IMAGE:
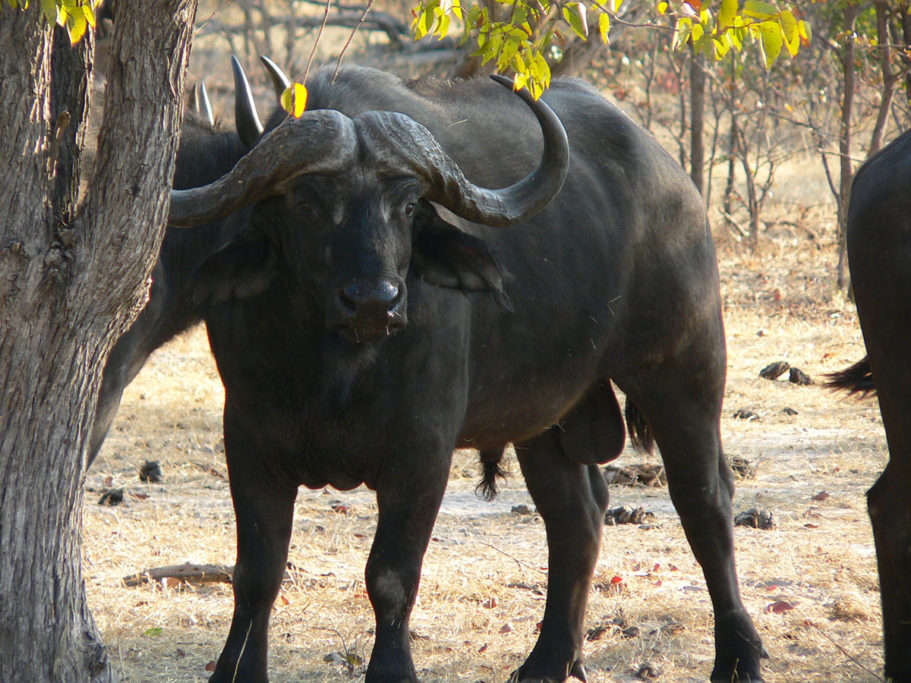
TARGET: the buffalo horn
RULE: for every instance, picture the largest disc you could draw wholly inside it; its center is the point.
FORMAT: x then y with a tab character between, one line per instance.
279	80
399	137
246	120
322	141
203	105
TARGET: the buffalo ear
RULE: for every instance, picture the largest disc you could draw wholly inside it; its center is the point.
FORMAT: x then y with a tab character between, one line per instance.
445	256
244	268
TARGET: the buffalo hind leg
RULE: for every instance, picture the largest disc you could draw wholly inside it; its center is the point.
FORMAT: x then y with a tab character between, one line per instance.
264	508
890	515
571	499
407	503
685	424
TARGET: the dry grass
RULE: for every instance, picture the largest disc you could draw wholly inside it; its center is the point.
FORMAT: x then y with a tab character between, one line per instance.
481	594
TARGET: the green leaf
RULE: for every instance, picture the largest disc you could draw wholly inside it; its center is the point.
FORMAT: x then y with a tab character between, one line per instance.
49	7
604	27
154	631
519	16
508	51
682	34
772	41
442	26
698	37
759	9
575	15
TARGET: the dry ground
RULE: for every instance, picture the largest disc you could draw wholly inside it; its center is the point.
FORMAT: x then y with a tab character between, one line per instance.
481	595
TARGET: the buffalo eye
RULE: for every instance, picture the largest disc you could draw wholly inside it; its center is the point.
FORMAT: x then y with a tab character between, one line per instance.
409	209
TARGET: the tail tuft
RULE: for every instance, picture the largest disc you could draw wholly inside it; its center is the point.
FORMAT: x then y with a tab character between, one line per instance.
855	379
490	461
640	435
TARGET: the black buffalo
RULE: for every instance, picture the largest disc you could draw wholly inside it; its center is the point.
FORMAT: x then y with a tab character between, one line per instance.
379	310
879	257
204	152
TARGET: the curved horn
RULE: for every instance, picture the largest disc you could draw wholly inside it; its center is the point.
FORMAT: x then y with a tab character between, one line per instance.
322	141
203	105
396	135
246	120
279	80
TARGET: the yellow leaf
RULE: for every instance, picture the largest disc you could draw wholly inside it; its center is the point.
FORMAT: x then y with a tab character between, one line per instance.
89	12
722	46
604	27
76	26
294	99
790	31
662	8
519	81
805	33
727	14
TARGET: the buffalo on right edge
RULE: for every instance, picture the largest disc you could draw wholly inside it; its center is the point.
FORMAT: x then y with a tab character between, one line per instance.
879	257
381	306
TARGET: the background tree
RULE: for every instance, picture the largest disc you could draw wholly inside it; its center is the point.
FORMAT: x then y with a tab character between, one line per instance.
74	268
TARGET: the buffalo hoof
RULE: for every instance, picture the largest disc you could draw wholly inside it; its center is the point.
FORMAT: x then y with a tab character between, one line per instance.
577	670
738	649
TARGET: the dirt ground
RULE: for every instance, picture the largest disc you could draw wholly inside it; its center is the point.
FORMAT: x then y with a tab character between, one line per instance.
810	582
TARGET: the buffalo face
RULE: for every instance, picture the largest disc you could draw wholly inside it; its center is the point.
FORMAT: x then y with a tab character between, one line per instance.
348	240
344	207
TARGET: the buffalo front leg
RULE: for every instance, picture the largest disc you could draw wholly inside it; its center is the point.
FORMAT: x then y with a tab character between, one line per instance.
407	512
571	499
889	506
264	508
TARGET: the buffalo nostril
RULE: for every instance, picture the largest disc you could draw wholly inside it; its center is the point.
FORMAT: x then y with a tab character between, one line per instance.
361	295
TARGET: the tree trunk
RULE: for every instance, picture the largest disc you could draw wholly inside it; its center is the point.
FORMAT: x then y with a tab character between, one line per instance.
697	121
904	12
846	168
884	49
71	279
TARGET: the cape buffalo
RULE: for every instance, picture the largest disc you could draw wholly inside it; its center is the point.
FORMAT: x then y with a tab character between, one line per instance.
879	237
204	152
379	310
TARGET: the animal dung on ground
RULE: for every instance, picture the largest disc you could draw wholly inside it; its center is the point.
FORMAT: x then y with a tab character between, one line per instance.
743	468
756	518
111	497
775	370
648	672
151	472
744	414
798	376
626	514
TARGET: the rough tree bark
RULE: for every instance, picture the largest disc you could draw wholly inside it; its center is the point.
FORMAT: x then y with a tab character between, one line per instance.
846	56
697	121
72	275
